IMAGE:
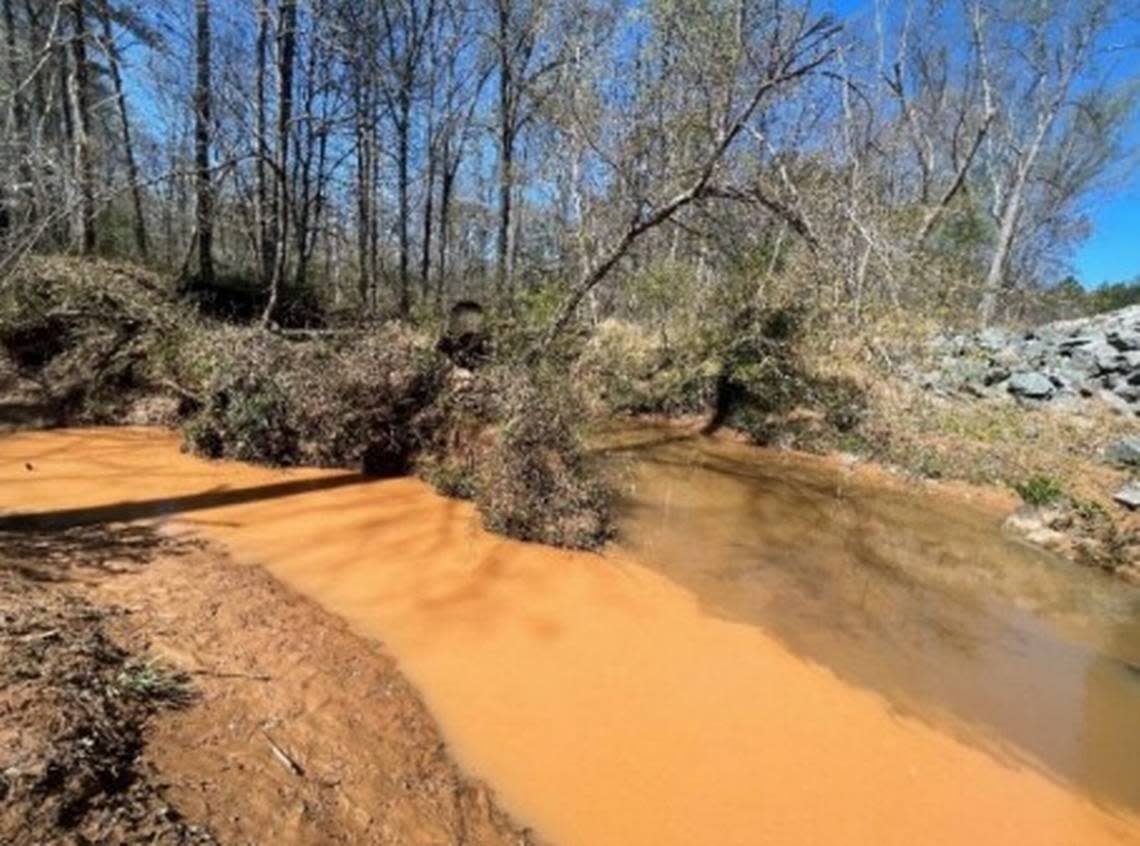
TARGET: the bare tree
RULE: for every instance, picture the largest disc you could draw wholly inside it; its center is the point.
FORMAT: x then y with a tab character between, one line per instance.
286	55
1041	68
111	52
795	46
941	154
526	57
202	109
79	93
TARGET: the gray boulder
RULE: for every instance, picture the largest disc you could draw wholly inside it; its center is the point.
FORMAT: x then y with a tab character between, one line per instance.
1125	451
1076	341
994	339
995	375
1068	377
1129	495
1127	392
1117	404
1031	385
1097	358
1124	339
1030	351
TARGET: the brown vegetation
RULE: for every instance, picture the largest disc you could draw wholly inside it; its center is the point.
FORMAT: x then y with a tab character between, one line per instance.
75	703
104	344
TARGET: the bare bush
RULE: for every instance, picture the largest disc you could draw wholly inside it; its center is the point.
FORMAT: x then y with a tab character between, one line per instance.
275	401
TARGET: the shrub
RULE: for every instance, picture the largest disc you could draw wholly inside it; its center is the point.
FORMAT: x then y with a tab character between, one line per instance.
87	334
457	432
275	401
534	481
508	439
749	371
384	401
1040	490
630	371
241	298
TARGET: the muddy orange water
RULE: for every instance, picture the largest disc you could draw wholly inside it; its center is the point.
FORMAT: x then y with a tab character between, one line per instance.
780	651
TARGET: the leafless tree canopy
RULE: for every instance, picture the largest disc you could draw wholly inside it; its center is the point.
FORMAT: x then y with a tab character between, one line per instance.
393	156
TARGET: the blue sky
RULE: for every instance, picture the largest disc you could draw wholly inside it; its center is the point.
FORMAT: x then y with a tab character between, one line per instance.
1112	253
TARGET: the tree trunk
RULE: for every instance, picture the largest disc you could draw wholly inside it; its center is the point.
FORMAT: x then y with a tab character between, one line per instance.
429	202
112	53
987	307
364	120
13	66
446	187
311	184
205	188
81	127
36	113
506	191
505	278
403	128
286	49
263	212
16	115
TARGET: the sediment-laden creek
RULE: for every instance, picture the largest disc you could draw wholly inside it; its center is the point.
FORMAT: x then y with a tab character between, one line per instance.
780	650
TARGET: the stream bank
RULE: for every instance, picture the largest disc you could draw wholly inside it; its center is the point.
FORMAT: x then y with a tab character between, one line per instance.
217	707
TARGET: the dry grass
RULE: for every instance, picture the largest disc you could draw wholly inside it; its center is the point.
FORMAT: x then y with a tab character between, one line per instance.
996	441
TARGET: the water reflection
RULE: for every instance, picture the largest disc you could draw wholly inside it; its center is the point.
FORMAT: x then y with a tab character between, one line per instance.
918	598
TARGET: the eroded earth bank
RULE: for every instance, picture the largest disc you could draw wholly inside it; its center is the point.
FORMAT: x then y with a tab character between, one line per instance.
152	690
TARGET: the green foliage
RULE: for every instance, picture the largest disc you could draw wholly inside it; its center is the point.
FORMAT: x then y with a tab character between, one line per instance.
451	475
743	365
508	438
1090	511
155	683
632	372
1068	298
964	229
1115	296
247	417
1040	490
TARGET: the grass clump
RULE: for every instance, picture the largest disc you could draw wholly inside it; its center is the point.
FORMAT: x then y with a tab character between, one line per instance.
628	370
746	369
155	683
1040	490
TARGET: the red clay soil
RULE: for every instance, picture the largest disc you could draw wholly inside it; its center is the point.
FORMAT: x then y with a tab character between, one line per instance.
289	728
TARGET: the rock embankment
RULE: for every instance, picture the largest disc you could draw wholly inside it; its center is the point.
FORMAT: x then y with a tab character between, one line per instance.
1059	363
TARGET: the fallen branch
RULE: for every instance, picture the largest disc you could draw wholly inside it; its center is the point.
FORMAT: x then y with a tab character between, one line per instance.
283	757
223	674
185	393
